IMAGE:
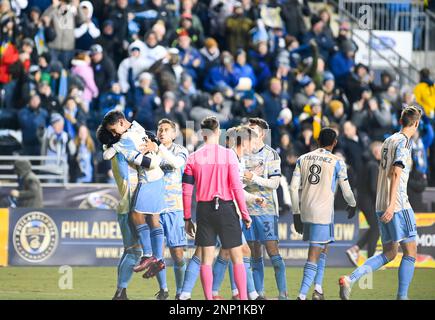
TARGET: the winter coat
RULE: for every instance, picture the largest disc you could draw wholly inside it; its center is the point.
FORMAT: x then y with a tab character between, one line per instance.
30	190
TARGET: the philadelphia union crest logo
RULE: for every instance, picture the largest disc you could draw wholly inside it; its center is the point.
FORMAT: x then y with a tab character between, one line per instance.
35	237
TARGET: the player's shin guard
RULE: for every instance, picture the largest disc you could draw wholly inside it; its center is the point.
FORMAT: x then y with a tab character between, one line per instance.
143	232
179	270
207	281
280	277
258	274
371	265
406	272
192	273
219	268
125	267
318	280
249	279
240	279
310	270
157	239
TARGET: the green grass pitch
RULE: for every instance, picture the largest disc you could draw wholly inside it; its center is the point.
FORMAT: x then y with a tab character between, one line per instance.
99	283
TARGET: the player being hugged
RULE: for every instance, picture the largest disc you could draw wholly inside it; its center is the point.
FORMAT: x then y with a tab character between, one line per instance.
148	200
393	210
316	174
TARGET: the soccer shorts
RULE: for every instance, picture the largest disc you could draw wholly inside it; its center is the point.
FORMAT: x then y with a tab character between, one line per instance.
263	228
318	233
401	227
219	244
223	222
128	231
173	228
149	197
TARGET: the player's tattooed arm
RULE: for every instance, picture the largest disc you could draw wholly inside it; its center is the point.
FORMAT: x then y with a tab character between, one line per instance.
396	171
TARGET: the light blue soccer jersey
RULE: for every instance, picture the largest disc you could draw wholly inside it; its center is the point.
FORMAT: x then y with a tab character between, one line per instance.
126	178
172	179
265	163
396	151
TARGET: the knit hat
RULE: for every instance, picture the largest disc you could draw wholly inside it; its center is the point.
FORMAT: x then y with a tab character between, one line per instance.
210	43
334	105
314	20
328	76
55	117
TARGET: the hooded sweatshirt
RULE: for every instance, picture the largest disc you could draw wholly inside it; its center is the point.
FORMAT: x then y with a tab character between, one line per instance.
30	190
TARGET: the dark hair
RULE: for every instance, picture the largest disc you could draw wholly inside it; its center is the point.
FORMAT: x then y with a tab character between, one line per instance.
259	122
112	117
424	74
327	137
210	123
410	115
167	121
105	137
244	133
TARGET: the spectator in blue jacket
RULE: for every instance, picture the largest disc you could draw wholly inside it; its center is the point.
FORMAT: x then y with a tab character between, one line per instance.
146	102
274	102
342	62
190	58
325	42
244	69
32	121
261	62
223	76
421	141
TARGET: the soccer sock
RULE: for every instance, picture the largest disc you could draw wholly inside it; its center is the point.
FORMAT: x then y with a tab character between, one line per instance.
318	280
143	232
192	272
157	239
280	277
206	273
179	270
232	281
310	270
125	267
372	264
406	272
258	274
219	268
240	279
249	279
161	278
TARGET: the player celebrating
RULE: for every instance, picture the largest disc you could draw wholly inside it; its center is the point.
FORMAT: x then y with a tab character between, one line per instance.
131	136
396	217
126	179
262	177
214	170
317	174
174	159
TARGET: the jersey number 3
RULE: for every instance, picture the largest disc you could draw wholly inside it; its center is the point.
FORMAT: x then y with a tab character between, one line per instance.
314	176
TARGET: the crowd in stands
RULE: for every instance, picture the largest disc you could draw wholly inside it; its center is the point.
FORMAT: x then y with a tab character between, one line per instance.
65	63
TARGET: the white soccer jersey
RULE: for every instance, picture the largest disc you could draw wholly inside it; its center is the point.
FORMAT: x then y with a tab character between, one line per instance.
396	150
317	174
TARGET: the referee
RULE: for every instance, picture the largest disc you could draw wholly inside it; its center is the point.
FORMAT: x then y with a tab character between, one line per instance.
214	170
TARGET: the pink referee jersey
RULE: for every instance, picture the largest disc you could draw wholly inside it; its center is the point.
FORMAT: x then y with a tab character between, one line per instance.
215	171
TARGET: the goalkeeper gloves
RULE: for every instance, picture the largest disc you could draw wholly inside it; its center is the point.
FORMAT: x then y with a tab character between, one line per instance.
299	227
351	212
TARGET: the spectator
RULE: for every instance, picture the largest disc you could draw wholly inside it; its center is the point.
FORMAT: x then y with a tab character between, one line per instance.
292	14
87	32
237	28
169	110
74	117
425	93
81	66
312	114
243	69
249	106
146	102
29	193
83	158
324	41
190	57
103	67
32	121
261	62
342	62
131	67
210	54
216	106
303	97
63	17
48	101
111	43
223	76
151	51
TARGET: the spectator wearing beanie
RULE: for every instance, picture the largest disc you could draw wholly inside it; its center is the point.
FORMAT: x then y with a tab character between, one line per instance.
210	54
81	66
190	57
87	32
343	61
425	93
237	28
249	106
325	43
103	67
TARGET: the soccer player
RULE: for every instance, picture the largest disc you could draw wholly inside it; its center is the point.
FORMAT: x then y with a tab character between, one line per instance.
126	179
131	136
174	158
317	174
214	171
395	215
262	178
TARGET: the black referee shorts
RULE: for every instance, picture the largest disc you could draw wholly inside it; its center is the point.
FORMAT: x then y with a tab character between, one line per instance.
224	222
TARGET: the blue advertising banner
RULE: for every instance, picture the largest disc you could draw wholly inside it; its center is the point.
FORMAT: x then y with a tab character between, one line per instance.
92	238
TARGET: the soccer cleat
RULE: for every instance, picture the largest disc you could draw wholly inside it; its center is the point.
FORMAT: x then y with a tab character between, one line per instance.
402	298
261	298
353	256
345	288
177	296
154	269
162	295
145	263
120	294
318	296
281	297
218	298
236	297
